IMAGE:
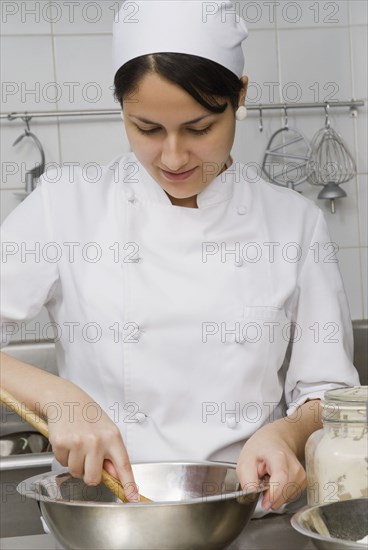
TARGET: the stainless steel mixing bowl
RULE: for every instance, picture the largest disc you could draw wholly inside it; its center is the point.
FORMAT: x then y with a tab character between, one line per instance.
196	506
346	522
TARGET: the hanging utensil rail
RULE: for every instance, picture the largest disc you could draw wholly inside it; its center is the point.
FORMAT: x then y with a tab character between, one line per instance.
353	104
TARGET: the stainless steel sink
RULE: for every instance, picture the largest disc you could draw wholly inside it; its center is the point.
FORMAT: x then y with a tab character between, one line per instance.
20	516
39	355
23	443
361	349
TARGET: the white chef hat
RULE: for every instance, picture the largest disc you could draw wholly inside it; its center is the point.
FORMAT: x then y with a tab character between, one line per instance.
210	29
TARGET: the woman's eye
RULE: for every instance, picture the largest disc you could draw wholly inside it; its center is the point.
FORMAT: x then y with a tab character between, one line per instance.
192	130
200	132
147	132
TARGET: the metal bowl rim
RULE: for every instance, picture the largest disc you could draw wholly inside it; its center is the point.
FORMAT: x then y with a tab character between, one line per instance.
295	523
29	491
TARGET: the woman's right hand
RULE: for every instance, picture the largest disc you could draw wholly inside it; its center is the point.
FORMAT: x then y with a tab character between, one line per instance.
82	435
86	445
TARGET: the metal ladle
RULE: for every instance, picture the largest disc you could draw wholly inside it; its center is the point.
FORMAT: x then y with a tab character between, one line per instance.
37	422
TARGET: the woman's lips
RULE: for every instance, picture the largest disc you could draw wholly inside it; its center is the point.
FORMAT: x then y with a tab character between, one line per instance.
179	176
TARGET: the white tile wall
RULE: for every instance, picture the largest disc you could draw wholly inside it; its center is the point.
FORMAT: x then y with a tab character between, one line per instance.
300	51
350	267
24	18
27	73
84	72
304	13
314	63
364	260
258	15
263	86
363	207
362	144
358	12
359	58
83	17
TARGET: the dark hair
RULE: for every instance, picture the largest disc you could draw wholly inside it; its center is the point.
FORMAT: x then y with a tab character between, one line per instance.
203	79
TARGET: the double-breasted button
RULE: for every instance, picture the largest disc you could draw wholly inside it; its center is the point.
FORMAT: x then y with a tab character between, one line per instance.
135	258
231	422
241	210
140	417
136	335
131	197
132	260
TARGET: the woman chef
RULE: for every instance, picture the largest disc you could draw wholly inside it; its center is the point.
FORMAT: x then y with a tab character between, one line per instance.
177	287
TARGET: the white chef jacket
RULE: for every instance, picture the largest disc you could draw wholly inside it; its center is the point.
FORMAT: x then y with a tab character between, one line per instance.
177	320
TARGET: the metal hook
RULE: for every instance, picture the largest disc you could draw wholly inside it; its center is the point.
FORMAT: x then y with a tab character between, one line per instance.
327	119
260	120
286	124
38	170
27	131
26	119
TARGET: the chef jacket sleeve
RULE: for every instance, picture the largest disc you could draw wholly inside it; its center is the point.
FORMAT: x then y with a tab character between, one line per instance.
29	272
322	340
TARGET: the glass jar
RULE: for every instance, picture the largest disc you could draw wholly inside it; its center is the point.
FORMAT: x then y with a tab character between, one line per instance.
336	456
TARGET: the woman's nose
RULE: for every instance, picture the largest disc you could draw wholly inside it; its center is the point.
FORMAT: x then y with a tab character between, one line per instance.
174	154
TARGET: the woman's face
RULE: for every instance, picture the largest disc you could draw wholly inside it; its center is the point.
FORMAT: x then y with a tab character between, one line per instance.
166	135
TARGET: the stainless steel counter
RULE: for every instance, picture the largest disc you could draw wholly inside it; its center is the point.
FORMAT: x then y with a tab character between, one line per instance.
273	532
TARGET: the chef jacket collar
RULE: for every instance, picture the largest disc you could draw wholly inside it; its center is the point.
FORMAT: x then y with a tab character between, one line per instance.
146	188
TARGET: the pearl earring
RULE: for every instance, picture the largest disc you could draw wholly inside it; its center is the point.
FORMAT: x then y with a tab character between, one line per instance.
122	115
241	113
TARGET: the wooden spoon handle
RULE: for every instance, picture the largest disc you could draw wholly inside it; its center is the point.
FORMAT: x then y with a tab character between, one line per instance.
34	419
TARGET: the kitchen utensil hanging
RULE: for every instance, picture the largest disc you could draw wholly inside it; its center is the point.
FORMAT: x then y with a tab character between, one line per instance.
260	127
39	169
286	160
331	162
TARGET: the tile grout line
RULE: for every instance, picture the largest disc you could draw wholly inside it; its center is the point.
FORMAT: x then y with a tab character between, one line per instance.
57	121
355	123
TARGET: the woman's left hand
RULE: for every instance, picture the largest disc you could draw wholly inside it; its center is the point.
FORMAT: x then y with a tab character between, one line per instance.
267	457
272	454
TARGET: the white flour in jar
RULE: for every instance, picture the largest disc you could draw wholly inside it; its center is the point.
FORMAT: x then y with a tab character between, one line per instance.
336	455
340	475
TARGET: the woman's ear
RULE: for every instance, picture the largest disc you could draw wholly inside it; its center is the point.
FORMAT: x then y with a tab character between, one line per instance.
243	92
